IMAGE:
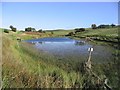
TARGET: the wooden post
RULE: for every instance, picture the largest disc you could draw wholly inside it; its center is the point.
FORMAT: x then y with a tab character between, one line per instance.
88	63
89	58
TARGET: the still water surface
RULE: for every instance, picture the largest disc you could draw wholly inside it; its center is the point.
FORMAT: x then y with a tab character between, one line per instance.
66	48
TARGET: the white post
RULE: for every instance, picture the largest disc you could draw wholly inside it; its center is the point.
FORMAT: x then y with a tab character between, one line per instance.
89	58
90	54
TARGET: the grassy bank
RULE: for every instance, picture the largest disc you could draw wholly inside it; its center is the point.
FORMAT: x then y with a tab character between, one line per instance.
25	67
108	34
105	34
59	32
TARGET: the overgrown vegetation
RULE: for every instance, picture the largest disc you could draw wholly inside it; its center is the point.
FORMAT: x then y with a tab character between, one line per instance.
25	67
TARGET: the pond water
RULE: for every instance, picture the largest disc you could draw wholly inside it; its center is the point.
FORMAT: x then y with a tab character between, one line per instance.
66	48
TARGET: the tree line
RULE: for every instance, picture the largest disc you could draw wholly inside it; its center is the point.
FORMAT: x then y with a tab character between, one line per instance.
94	26
30	29
12	29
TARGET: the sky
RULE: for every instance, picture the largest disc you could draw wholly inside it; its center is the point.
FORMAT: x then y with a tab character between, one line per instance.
58	15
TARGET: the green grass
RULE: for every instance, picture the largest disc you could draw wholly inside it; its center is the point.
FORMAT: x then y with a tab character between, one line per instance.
113	32
59	32
25	67
110	34
107	34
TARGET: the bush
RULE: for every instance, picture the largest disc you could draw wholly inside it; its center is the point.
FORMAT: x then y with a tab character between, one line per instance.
6	31
40	31
52	32
93	26
14	29
30	29
104	26
79	30
43	31
70	34
11	27
113	25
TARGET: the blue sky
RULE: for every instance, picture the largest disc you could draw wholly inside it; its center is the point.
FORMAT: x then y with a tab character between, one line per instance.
51	15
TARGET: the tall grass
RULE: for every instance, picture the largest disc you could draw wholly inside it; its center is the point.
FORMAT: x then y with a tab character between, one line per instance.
25	67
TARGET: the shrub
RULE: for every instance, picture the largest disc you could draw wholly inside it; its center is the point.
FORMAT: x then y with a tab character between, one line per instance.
29	29
52	32
11	27
79	30
70	34
40	30
113	25
104	26
14	29
6	31
93	26
43	31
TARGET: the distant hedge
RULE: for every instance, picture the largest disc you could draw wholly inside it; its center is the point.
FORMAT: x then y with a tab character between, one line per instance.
79	30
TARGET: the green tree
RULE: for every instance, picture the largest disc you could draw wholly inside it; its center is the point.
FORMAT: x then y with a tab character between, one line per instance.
40	30
33	29
79	30
13	28
29	29
113	25
93	26
104	26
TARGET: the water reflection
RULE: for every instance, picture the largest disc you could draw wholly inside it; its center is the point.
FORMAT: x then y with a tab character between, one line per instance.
79	43
40	42
75	42
33	42
72	49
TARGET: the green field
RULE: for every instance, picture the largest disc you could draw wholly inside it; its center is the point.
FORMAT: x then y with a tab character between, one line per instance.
108	34
25	67
59	32
112	32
